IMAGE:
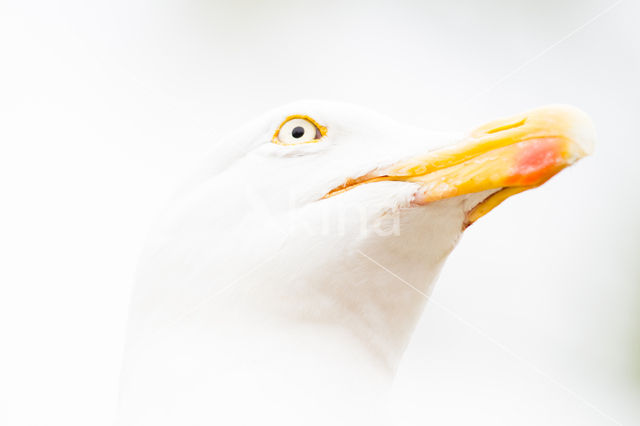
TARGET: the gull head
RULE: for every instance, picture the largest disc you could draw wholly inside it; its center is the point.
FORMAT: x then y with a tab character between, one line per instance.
333	217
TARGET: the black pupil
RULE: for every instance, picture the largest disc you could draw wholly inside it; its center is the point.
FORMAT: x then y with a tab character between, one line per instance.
297	132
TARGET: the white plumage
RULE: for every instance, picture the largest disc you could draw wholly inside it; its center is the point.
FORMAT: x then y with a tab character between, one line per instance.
260	299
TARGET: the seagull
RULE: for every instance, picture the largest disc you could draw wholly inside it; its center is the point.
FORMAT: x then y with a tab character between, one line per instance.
284	280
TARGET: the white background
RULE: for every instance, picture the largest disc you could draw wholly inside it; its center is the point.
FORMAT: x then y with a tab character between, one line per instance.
106	106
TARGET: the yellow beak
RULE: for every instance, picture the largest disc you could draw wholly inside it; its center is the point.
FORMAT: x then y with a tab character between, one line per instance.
510	155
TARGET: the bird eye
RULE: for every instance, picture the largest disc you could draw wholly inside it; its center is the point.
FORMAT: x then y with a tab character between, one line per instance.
298	129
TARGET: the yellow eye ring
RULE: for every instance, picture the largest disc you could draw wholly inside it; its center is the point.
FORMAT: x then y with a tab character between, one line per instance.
299	129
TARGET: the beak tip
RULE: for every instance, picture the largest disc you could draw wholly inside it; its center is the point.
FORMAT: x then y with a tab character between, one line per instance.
580	129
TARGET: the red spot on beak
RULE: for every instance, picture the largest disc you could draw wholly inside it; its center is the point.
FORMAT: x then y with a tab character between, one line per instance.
538	160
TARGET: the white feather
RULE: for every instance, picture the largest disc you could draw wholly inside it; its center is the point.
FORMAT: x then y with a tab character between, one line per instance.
257	300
